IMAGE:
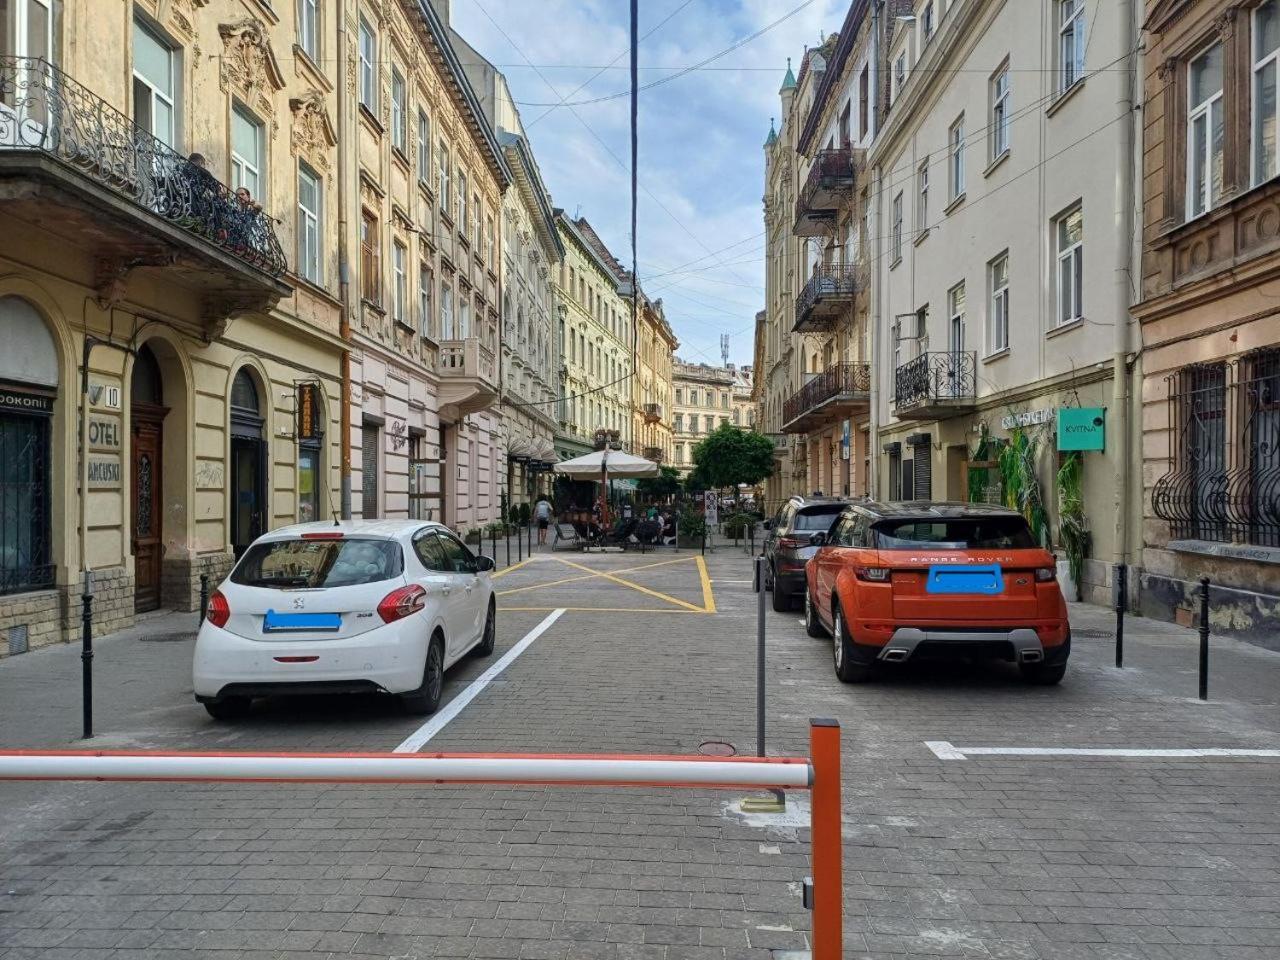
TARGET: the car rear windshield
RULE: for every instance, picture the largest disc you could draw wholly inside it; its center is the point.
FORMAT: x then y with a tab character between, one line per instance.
290	564
959	533
817	518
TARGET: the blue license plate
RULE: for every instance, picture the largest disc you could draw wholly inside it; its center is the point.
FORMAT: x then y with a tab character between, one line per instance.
286	622
980	579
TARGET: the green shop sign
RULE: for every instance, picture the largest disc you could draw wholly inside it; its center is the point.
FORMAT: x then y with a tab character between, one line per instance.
1082	428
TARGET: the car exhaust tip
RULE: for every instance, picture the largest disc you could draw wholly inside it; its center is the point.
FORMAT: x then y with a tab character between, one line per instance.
895	655
1032	656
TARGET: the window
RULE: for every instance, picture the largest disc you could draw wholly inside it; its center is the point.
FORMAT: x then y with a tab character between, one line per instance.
999	129
368	70
899	74
679	453
1205	132
27	30
309	28
895	243
489	254
399	113
476	222
370	267
446	313
153	81
955	325
864	101
464	316
399	259
679	424
247	161
462	204
424	147
709	422
955	160
926	21
1070	43
679	395
444	181
426	321
922	199
309	210
1069	242
693	398
1266	53
998	315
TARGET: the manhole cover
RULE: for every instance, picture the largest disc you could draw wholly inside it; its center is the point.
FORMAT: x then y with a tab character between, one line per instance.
717	748
165	637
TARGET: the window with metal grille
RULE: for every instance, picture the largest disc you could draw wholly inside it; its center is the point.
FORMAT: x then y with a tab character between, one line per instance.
25	468
369	470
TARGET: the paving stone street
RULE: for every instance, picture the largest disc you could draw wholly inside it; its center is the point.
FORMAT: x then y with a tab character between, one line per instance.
1004	856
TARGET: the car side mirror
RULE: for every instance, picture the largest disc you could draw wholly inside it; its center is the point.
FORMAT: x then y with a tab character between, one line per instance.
484	564
817	539
768	524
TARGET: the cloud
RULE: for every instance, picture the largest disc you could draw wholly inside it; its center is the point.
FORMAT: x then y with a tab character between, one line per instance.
700	136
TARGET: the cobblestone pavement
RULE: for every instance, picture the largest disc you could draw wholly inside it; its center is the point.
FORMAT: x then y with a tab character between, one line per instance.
1047	858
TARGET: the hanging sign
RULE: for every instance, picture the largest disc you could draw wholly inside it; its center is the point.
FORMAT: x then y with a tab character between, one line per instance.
309	426
1082	428
20	402
846	440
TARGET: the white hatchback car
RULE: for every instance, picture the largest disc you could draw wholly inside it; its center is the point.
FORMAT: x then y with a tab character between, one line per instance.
352	607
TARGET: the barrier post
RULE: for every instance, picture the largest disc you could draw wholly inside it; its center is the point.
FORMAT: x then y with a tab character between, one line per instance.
86	655
1204	638
529	534
760	663
519	547
506	529
493	542
204	597
824	829
1122	583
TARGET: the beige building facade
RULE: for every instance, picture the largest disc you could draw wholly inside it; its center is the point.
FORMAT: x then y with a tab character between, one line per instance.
703	398
652	437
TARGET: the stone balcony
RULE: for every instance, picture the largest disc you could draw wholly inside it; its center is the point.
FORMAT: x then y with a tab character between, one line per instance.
468	378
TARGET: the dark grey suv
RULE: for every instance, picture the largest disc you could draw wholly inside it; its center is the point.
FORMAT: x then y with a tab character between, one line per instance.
787	545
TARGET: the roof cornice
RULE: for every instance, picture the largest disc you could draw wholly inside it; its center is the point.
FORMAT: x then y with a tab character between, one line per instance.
849	32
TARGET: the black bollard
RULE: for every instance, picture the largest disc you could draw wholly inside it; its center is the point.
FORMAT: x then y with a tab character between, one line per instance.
86	654
529	534
704	538
1204	638
204	597
1122	589
506	530
493	543
519	547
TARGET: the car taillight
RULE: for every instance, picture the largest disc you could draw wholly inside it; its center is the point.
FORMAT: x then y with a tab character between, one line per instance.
399	604
219	611
1045	574
793	543
874	574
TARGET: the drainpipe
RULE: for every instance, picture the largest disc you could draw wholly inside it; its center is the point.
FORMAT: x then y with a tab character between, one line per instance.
873	256
344	269
1125	180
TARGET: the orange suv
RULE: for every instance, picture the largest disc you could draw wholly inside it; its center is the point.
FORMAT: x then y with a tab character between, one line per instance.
894	582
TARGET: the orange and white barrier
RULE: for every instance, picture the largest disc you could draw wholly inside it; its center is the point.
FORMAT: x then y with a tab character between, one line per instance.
820	774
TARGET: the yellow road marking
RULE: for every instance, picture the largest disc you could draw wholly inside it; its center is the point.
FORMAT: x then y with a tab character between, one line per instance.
505	570
636	586
550	583
708	598
587	576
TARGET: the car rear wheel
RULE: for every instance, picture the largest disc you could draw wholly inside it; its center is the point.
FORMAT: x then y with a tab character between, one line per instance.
427	697
1043	674
490	635
846	669
229	708
781	597
812	625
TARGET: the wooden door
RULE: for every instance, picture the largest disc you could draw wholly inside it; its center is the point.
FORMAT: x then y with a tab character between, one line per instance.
148	546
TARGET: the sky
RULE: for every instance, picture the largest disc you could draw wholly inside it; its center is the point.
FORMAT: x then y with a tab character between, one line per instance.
701	168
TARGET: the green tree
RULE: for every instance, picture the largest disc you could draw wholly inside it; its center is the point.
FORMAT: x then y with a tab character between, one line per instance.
666	484
696	480
730	456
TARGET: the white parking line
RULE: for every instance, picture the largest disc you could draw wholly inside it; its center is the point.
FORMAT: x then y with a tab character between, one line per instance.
415	741
945	750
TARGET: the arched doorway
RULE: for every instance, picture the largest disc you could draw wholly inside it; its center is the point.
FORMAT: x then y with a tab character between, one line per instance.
147	412
248	463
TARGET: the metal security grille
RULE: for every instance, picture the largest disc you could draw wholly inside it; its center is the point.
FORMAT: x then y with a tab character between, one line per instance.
1223	479
25	561
369	471
923	471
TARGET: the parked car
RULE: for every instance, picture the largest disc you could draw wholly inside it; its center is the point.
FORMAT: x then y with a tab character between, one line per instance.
893	582
383	606
787	544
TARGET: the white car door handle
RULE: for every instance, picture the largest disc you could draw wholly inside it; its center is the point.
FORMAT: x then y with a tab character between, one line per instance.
446	590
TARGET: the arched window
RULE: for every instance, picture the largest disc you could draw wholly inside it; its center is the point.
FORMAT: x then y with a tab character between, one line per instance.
244	393
146	386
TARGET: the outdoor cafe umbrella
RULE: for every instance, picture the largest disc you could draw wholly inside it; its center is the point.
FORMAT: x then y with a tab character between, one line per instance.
603	464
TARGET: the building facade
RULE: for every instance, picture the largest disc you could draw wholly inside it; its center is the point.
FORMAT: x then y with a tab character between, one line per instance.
1002	280
703	398
1210	373
426	176
190	334
595	333
531	255
656	344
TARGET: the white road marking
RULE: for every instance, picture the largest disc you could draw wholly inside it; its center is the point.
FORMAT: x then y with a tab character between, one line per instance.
945	750
415	741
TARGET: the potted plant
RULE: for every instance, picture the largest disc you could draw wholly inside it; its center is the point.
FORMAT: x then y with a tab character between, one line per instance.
1073	531
691	529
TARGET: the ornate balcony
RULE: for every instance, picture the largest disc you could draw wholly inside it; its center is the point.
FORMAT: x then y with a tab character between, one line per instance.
468	378
828	296
828	186
840	391
83	171
653	413
653	453
934	386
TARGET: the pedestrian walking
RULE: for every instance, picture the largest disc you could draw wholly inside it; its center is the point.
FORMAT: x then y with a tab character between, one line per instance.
542	513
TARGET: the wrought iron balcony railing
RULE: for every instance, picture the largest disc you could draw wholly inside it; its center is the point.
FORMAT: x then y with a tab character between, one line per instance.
848	379
653	453
45	111
653	412
831	171
939	377
830	289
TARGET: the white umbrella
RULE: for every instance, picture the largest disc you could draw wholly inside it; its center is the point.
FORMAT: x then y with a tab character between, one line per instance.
601	464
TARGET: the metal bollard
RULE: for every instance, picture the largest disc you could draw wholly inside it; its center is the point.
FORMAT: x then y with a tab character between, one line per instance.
529	534
493	543
1122	589
204	597
704	537
1204	638
86	655
519	547
506	529
760	662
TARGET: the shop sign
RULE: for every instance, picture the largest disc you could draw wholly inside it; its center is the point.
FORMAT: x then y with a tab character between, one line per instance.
104	433
104	395
1028	418
1082	428
309	426
19	402
104	471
